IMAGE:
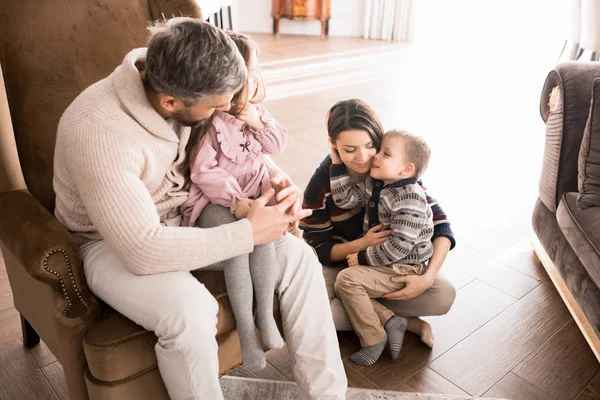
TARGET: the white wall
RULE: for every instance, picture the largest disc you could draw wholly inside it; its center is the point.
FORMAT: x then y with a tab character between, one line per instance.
255	16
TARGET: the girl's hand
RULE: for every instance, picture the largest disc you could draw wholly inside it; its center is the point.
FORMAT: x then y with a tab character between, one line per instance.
335	156
242	206
251	116
374	236
415	285
352	259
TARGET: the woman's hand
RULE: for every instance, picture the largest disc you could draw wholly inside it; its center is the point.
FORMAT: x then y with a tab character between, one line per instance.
251	116
335	156
415	285
374	236
242	206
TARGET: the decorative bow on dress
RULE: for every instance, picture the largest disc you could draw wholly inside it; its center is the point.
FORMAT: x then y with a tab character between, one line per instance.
244	146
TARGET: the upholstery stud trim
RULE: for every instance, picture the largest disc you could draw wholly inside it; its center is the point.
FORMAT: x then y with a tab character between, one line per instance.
62	282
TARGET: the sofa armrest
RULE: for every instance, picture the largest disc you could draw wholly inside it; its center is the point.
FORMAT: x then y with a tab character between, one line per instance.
564	127
47	251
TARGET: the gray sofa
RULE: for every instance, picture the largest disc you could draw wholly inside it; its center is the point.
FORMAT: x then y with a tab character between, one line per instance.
566	218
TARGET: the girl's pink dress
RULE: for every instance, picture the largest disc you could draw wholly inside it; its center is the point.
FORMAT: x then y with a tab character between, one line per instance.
230	163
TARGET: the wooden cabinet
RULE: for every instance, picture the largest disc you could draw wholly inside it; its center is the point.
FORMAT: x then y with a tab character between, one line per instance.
302	10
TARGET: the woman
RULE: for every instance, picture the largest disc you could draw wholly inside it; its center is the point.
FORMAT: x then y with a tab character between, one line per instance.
355	132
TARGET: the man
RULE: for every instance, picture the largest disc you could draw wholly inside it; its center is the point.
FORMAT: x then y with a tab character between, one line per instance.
119	182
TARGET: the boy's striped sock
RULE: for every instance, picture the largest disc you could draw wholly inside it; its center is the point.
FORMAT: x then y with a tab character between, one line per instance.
395	328
367	356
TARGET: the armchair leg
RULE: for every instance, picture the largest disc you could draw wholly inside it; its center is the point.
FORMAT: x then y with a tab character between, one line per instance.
30	336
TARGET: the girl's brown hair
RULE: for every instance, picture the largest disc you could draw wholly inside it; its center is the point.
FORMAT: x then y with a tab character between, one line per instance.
354	114
246	46
239	101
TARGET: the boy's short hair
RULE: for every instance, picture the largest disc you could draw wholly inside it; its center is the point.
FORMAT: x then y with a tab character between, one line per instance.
417	150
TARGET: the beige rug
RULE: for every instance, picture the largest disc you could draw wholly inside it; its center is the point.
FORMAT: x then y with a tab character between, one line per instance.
235	388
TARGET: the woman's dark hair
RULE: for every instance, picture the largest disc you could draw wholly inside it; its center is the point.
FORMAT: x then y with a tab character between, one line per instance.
354	114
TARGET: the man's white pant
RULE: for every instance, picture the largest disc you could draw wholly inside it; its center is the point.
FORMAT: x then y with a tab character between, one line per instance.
183	314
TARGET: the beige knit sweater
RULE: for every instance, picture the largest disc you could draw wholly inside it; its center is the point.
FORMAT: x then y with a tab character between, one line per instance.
118	174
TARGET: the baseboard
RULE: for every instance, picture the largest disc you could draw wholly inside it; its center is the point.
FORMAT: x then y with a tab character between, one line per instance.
584	325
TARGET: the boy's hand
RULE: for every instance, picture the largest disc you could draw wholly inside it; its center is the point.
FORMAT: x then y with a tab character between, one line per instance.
251	116
242	206
352	259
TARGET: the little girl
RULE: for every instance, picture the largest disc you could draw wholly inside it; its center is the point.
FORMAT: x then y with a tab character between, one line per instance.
227	172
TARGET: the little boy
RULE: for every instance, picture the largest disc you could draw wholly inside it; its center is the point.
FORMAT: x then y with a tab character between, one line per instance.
392	197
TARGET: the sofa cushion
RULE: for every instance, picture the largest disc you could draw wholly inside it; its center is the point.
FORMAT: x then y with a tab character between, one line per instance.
581	228
578	282
116	348
589	155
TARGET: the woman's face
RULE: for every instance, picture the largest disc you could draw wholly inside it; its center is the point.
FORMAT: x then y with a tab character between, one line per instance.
356	150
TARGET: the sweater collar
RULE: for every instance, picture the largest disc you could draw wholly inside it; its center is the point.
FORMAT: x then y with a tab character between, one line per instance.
402	182
130	89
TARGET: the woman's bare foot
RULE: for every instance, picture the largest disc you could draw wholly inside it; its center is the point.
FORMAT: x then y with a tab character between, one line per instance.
422	328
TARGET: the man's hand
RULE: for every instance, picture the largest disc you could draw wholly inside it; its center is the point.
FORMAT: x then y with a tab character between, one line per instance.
270	223
352	259
415	285
251	116
242	206
284	187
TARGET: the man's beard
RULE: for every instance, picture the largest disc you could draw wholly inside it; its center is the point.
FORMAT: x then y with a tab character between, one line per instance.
183	118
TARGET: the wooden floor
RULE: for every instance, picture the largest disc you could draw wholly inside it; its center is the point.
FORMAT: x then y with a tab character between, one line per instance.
508	334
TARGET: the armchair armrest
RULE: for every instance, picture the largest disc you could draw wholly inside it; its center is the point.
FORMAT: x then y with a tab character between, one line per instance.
47	251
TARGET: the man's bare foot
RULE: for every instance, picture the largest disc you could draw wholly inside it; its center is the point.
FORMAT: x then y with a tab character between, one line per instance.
422	328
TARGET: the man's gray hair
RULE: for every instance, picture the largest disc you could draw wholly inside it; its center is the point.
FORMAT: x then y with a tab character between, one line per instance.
192	60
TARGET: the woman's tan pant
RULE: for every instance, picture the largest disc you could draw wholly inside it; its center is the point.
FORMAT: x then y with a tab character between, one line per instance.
436	300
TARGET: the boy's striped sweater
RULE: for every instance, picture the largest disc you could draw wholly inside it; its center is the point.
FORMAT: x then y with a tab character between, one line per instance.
330	225
401	207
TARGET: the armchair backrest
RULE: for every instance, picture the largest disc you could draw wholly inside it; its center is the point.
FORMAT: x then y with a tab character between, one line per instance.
50	51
